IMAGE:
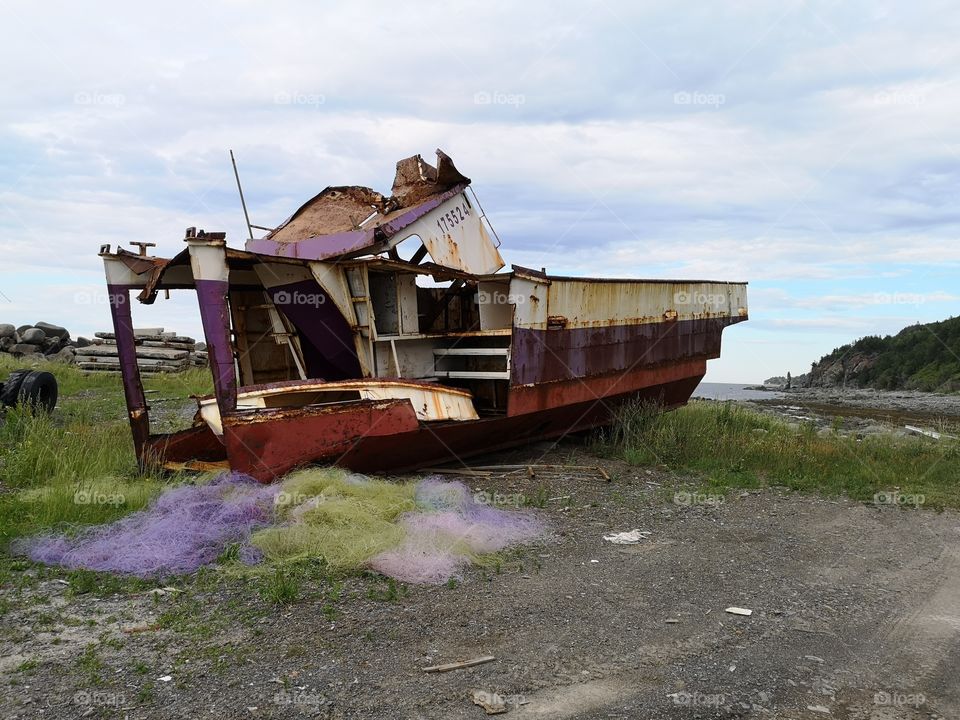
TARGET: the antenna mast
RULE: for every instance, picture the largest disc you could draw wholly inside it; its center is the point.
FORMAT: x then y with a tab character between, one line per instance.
242	201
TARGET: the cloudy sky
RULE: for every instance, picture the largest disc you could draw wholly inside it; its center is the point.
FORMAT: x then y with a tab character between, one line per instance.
810	148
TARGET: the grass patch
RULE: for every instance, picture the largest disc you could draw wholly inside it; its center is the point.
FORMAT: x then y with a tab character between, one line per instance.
90	665
77	466
281	588
390	591
730	446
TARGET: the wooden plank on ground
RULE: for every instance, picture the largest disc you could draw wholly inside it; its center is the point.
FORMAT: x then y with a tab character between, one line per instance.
460	664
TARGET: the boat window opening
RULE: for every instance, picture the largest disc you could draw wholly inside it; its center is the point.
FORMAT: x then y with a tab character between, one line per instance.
411	250
264	340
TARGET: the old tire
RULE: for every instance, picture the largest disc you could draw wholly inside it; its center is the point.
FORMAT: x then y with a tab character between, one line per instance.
39	391
11	388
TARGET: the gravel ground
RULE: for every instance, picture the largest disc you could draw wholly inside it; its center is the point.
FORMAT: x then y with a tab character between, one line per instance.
856	614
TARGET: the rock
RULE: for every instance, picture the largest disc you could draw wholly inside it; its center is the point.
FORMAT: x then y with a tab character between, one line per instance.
491	702
200	346
51	345
7	330
23	349
82	342
53	330
6	343
66	355
33	336
23	328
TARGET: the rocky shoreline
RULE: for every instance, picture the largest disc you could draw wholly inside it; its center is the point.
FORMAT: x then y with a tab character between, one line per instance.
863	412
912	402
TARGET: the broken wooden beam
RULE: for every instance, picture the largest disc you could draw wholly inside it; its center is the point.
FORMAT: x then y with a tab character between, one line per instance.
446	667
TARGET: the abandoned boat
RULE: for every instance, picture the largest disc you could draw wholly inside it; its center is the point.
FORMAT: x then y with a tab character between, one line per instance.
331	340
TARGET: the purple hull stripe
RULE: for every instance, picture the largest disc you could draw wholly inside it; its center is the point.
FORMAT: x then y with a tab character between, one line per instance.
325	335
215	316
315	248
127	353
548	355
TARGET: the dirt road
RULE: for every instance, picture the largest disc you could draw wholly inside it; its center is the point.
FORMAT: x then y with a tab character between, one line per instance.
856	614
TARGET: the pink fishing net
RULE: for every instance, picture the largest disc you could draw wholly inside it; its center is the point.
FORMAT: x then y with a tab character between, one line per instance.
184	529
449	532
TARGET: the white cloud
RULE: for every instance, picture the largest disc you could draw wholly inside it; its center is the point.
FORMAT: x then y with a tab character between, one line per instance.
830	166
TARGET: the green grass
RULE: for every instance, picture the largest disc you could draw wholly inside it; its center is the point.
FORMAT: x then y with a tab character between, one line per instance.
77	465
728	446
281	588
90	665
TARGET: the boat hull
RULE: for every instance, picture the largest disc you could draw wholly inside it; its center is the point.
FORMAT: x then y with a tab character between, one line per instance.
386	435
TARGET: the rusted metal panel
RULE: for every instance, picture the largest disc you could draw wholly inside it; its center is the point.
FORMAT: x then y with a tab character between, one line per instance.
137	411
455	237
197	443
540	356
429	445
587	303
540	397
430	402
268	443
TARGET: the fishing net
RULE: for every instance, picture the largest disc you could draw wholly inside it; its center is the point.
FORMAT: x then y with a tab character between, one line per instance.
423	532
345	519
450	530
184	529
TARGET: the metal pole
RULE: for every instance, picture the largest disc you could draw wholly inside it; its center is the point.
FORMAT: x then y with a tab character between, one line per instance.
242	201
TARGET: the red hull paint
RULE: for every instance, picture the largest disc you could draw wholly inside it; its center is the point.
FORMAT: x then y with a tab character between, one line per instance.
544	396
386	436
196	443
268	443
375	436
453	441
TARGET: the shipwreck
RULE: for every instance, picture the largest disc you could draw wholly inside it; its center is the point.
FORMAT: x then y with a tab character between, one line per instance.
332	340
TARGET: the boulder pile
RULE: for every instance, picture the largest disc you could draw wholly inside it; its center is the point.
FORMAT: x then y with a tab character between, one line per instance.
157	350
41	341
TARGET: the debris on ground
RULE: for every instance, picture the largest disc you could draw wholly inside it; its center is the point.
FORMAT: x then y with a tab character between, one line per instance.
631	537
530	470
459	665
927	433
739	611
492	703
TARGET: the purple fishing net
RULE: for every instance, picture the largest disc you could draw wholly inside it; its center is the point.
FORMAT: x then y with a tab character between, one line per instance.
182	530
453	528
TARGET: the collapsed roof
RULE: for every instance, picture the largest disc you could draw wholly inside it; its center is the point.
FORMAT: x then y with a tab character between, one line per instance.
354	220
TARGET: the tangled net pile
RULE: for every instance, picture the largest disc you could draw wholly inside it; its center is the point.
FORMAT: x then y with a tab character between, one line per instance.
181	531
448	531
423	532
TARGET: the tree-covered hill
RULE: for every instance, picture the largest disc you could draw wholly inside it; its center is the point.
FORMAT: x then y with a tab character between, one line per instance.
919	357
